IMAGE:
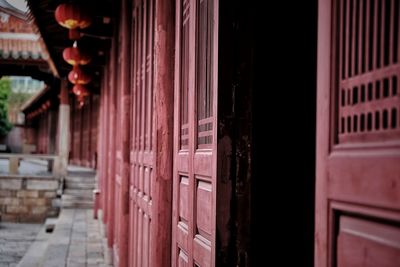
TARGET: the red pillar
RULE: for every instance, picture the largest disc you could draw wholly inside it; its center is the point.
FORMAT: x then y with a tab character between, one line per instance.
122	183
164	41
113	67
105	144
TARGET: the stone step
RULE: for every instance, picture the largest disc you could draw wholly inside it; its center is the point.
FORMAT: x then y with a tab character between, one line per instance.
79	179
76	198
79	192
84	173
78	185
77	205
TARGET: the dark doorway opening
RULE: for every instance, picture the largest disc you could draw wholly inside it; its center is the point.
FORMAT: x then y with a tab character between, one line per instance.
235	84
266	106
283	165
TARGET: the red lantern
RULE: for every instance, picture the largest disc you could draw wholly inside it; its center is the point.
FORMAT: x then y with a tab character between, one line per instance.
74	56
81	100
78	76
72	17
80	90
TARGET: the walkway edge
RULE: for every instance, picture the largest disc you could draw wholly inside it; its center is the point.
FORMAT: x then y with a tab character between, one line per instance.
33	257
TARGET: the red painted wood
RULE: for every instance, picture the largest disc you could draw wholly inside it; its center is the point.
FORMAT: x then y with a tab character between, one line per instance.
105	145
94	132
123	140
194	186
112	128
364	243
358	134
142	155
353	19
162	140
85	141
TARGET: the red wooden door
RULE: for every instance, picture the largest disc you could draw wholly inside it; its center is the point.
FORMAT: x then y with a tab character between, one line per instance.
142	152
358	134
194	175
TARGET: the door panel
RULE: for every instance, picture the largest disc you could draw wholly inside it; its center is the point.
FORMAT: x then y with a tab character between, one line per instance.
365	243
142	154
358	133
194	183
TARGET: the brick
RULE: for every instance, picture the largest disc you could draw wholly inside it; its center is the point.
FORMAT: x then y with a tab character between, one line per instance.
50	194
28	193
9	217
34	201
6	193
42	185
32	218
39	210
9	201
3	209
17	209
11	184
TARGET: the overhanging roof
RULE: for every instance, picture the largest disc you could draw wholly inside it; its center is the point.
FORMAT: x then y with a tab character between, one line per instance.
22	51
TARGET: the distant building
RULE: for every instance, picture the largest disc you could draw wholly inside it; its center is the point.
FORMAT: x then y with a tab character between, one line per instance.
22	88
22	53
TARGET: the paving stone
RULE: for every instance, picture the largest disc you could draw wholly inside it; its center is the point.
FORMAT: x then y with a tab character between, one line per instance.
15	240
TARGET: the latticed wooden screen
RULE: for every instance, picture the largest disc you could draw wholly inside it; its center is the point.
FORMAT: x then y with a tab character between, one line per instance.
142	151
368	69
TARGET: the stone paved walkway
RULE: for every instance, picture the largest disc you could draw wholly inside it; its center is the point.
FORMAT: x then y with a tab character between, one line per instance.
15	239
75	242
86	246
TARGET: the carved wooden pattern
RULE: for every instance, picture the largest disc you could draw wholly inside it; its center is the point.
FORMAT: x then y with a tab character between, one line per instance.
369	67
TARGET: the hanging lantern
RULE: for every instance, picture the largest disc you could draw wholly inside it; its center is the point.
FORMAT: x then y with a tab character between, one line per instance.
72	17
74	56
81	100
80	90
78	76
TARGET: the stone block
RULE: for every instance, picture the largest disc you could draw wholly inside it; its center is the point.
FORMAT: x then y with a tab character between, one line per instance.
6	193
39	210
17	209
42	185
49	194
32	218
9	201
11	184
13	165
9	217
34	201
28	193
3	209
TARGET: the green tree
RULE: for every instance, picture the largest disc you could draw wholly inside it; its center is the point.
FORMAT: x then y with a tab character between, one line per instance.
5	90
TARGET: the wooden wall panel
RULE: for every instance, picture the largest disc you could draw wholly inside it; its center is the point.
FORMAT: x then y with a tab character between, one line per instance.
358	134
